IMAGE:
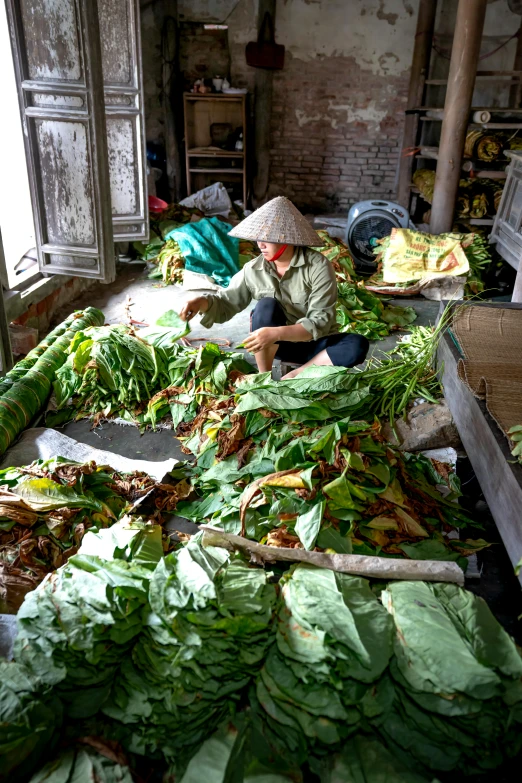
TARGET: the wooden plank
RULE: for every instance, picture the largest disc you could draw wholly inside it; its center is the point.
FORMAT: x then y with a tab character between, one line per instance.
488	450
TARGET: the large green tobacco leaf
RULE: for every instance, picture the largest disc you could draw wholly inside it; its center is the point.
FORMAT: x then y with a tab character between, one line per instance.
308	525
474	620
44	494
440	662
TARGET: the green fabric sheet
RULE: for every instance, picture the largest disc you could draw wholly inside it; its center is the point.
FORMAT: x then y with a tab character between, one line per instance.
208	249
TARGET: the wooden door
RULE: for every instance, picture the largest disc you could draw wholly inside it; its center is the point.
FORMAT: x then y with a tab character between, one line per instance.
57	55
124	111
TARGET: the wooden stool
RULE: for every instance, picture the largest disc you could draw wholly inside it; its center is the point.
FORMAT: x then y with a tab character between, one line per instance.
279	368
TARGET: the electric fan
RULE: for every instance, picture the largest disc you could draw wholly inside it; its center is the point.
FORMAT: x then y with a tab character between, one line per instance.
369	221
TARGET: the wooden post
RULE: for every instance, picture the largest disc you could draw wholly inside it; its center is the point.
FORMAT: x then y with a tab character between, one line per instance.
419	70
516	89
461	83
262	114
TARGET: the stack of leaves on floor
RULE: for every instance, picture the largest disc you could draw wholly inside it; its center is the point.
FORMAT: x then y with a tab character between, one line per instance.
207	634
89	760
164	647
141	376
333	677
47	507
457	678
337	488
30	721
26	388
78	626
361	312
333	644
437	680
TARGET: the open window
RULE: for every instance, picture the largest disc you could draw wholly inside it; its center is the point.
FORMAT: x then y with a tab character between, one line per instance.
78	76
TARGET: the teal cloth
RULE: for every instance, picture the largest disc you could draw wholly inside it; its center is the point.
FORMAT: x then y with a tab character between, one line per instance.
208	249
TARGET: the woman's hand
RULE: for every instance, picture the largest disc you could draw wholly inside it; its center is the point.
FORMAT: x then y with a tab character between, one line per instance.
261	338
198	304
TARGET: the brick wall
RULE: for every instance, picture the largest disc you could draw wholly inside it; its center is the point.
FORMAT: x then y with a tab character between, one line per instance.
40	315
336	132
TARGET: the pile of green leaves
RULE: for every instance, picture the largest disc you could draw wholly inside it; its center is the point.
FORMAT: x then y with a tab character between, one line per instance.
337	488
333	643
196	376
46	508
361	312
159	652
30	717
437	680
113	370
207	634
26	388
82	620
457	678
141	376
163	646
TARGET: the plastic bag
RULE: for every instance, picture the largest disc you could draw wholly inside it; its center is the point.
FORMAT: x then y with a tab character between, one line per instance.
411	255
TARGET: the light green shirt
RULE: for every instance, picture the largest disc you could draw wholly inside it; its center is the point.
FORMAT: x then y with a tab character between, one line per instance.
307	292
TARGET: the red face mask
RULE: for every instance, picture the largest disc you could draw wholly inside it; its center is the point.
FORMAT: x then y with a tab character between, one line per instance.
278	254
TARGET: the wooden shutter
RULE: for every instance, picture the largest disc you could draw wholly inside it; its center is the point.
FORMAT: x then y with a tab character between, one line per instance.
123	86
57	55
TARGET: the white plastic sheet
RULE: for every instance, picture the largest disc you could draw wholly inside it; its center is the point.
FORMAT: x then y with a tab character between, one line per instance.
44	443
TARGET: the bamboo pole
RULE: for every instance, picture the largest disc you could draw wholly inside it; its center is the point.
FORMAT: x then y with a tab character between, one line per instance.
419	70
461	82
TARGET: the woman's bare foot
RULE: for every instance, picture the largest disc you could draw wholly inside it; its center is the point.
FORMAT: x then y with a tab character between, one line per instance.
320	360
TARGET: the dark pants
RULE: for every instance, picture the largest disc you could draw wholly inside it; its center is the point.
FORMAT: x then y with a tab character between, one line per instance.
344	350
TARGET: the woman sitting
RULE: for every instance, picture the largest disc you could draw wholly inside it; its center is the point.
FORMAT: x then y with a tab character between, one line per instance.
296	292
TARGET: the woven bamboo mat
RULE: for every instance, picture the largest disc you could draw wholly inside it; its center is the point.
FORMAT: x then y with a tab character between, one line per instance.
490	340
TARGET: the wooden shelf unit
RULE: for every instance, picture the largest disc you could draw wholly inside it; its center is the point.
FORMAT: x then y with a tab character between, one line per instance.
201	111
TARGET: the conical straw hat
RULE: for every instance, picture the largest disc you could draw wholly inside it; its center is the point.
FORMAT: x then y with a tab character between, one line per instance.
280	222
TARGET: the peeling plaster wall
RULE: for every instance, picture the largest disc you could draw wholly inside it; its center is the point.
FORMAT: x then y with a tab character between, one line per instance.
338	104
